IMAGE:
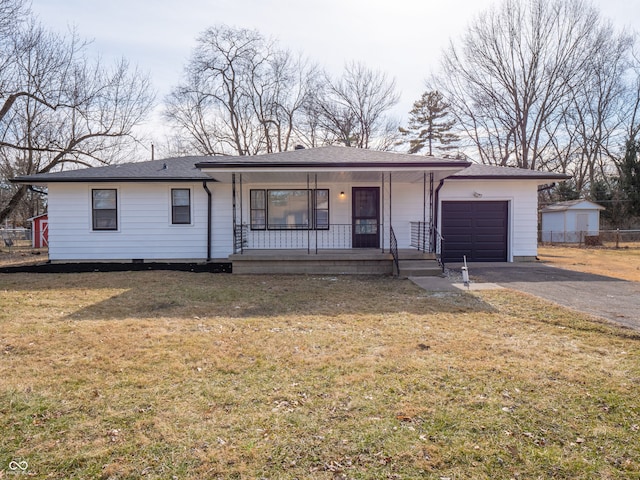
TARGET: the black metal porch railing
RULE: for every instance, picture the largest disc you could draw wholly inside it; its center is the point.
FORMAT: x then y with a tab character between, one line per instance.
337	236
438	244
393	243
426	238
239	238
421	236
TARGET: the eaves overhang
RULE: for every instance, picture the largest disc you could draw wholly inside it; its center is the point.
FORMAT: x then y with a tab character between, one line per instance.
35	180
555	177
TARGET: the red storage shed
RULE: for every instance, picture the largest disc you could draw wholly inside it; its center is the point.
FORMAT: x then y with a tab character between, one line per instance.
40	231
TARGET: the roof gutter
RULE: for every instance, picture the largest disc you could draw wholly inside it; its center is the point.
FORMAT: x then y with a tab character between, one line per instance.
543	188
37	190
43	181
436	207
209	218
535	176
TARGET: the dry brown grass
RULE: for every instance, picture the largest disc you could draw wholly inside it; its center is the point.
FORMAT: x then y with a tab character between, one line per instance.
623	263
179	375
21	254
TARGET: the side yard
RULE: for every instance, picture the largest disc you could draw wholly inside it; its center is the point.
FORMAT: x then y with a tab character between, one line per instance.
189	376
21	253
623	263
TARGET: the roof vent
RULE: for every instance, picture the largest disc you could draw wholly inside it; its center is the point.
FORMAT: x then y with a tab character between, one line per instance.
299	147
164	166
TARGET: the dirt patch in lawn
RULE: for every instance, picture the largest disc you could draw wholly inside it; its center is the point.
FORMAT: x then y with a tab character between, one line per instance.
623	263
182	375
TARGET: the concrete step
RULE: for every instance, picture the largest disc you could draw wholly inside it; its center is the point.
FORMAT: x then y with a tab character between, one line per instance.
413	254
419	268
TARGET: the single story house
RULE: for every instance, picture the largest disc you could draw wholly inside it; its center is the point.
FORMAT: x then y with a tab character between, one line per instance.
570	221
320	210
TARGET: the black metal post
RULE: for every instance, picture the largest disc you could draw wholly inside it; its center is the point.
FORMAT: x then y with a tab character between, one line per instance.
209	219
421	244
241	219
315	207
431	232
233	208
390	209
309	215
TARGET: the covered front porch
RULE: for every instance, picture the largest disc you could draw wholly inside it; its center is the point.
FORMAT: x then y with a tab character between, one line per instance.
333	209
317	213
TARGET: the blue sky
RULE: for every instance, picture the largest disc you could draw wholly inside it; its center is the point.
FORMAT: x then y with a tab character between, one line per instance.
403	38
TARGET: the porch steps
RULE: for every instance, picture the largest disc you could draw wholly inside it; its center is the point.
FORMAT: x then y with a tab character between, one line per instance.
326	262
334	262
413	263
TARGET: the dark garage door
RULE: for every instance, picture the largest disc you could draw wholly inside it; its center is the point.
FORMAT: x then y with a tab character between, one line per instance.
475	229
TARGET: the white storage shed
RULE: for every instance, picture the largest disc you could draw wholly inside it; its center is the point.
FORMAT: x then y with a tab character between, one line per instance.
571	221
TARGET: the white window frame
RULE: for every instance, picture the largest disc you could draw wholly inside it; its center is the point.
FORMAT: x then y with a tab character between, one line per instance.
171	219
92	227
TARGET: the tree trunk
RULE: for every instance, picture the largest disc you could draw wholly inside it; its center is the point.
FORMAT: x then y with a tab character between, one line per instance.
13	203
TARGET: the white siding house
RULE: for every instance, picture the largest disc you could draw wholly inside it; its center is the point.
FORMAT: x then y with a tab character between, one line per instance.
144	228
303	202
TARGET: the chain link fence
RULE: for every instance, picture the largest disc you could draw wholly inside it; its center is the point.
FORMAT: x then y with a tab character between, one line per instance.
606	238
10	237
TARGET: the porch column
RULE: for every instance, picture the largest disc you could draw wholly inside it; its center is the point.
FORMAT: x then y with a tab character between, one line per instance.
422	244
310	214
238	229
241	219
315	205
431	212
381	226
233	213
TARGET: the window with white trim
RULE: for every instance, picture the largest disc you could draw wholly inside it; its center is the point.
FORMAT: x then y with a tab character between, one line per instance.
104	209
180	206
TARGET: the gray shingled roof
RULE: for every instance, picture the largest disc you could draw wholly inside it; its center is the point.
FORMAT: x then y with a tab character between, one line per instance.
329	156
189	168
563	206
479	171
170	169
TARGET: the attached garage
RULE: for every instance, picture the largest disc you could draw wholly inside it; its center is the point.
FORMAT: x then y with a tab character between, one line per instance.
475	229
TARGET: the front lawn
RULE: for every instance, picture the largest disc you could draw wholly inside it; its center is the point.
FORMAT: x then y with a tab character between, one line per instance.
164	375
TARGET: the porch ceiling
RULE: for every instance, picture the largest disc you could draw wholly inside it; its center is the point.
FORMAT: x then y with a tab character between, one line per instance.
300	177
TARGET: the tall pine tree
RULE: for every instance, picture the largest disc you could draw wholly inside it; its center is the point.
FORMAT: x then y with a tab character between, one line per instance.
430	124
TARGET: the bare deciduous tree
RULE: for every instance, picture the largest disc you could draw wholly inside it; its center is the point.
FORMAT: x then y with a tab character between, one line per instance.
353	108
593	123
242	94
58	108
536	84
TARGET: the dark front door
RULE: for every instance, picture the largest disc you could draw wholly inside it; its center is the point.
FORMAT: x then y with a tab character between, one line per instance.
366	217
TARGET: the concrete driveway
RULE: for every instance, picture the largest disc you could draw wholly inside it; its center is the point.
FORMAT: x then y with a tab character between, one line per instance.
609	298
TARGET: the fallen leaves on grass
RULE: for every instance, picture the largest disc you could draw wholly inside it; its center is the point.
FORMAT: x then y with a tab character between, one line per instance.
291	377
